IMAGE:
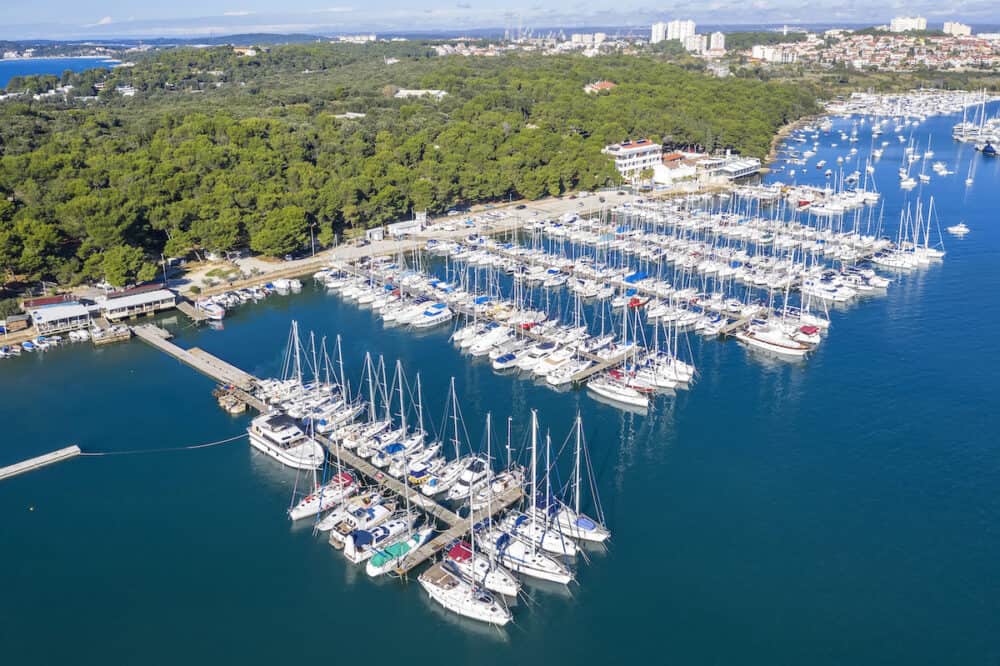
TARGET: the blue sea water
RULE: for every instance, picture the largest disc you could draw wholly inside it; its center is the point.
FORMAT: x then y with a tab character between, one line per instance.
34	66
841	510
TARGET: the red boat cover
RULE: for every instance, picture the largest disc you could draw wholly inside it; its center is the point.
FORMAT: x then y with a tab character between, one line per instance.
809	330
460	552
344	479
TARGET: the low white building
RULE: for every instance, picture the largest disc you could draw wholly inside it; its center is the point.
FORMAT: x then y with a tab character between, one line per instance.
741	167
634	157
60	317
404	93
139	303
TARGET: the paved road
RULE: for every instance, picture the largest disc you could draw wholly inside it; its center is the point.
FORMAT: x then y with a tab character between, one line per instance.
435	228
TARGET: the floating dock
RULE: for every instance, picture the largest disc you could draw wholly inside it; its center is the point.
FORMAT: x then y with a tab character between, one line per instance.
200	360
38	462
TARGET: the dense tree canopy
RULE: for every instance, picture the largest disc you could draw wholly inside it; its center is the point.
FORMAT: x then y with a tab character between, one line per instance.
217	151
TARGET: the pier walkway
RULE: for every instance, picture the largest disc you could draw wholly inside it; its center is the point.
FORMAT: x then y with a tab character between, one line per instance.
193	313
200	360
39	461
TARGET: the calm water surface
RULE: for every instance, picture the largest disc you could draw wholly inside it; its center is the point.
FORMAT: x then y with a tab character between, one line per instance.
843	510
36	66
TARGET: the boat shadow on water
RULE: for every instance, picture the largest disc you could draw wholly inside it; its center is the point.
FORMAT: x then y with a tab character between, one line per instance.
482	630
620	406
774	360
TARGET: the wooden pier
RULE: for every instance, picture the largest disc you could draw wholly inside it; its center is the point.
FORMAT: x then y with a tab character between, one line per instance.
200	360
39	461
241	384
193	313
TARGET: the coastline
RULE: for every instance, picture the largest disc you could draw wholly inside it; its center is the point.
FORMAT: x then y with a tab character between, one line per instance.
785	131
62	57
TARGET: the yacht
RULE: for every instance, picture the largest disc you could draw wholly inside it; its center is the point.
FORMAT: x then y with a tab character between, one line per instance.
360	545
352	517
472	477
772	338
444	478
212	310
438	313
281	438
324	497
446	585
523	558
617	390
477	566
390	557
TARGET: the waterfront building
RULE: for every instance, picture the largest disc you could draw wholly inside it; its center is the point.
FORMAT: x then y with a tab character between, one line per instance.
16	322
634	157
60	317
907	23
658	33
137	302
956	29
680	30
740	167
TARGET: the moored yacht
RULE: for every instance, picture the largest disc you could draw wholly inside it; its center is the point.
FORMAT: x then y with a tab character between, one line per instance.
446	585
281	438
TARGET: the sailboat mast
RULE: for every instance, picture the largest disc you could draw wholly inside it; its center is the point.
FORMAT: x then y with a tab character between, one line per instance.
420	409
371	386
454	417
343	382
534	465
576	471
402	405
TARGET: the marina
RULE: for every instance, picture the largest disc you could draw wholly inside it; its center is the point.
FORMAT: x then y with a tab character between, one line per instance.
448	528
770	484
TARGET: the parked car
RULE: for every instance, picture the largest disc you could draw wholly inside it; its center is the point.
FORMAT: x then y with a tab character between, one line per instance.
520	206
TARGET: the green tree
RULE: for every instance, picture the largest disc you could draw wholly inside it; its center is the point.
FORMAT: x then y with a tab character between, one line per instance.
284	231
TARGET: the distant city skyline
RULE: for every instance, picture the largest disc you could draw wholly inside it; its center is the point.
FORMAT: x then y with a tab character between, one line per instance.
80	19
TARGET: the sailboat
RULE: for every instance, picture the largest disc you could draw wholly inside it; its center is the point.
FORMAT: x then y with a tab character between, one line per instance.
570	521
324	497
445	584
521	555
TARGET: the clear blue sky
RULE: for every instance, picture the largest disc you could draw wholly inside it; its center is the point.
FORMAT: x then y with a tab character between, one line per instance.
106	18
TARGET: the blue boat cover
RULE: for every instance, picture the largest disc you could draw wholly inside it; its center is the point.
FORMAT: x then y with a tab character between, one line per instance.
635	277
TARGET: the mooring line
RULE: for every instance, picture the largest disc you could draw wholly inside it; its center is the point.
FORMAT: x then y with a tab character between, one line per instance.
167	450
